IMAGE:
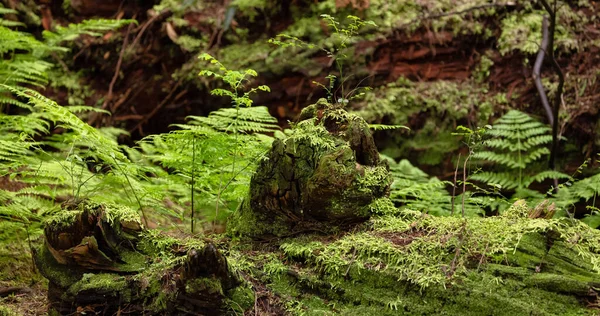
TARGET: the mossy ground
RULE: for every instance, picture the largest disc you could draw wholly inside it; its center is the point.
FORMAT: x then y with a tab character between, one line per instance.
408	263
17	270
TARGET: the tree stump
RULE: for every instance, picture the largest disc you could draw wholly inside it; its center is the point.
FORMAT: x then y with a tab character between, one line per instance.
326	172
98	258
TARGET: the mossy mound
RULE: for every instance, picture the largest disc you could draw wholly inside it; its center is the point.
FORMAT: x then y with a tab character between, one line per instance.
99	259
409	263
327	170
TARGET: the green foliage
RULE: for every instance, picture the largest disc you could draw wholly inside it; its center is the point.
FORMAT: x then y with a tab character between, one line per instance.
216	155
24	57
235	79
517	142
94	27
522	31
431	110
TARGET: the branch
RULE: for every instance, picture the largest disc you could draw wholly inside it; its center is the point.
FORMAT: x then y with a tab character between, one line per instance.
117	68
561	82
537	73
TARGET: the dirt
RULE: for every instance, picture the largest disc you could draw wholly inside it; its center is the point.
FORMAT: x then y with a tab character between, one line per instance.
28	301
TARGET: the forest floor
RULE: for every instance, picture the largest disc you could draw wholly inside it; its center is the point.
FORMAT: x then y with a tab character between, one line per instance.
423	56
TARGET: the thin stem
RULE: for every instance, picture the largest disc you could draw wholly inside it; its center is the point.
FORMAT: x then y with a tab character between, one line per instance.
193	180
454	185
133	191
464	184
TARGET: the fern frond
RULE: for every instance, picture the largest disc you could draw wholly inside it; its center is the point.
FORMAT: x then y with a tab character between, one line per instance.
548	174
518	142
94	27
84	108
507	160
245	120
415	190
384	127
12	151
506	180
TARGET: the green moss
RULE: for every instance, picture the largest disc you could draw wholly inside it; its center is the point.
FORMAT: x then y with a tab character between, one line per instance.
522	30
61	275
383	206
408	265
101	282
5	311
295	184
558	284
204	285
16	263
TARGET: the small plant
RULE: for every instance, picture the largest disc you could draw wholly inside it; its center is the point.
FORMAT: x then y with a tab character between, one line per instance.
214	155
337	50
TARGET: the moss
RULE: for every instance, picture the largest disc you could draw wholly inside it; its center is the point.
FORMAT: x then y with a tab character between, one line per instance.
383	206
59	274
407	264
522	31
99	283
16	263
204	285
294	185
5	311
558	284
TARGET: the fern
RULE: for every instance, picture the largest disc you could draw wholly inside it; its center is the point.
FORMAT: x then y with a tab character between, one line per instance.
224	161
250	120
95	28
415	190
518	142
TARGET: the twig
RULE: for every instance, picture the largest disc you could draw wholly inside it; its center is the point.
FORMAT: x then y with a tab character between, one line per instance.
193	180
351	262
6	291
117	68
147	24
462	234
158	107
559	90
33	269
483	255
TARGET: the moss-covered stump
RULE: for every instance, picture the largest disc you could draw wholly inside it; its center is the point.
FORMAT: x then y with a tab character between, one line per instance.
408	263
98	258
326	171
